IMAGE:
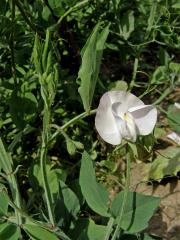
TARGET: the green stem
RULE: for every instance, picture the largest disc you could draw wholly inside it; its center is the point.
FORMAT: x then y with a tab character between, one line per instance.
26	18
72	9
72	121
24	214
43	164
164	95
109	228
13	66
116	16
136	62
7	166
126	190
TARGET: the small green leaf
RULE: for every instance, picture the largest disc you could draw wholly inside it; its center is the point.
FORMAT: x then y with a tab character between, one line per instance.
138	210
166	163
71	147
127	24
37	52
91	59
39	233
96	196
163	74
118	85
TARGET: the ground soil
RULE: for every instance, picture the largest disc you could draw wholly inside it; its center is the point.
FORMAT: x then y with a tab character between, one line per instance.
166	220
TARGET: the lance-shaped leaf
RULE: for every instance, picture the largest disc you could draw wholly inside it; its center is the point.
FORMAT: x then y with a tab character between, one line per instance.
91	60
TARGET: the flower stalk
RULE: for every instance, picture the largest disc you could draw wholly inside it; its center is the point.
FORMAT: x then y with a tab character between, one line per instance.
126	190
43	164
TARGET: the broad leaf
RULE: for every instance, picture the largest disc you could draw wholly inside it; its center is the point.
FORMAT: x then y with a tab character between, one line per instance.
166	163
23	107
96	196
39	233
67	205
91	59
93	232
174	118
9	231
139	237
138	210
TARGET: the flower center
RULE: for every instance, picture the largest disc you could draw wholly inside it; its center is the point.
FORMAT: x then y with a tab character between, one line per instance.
126	117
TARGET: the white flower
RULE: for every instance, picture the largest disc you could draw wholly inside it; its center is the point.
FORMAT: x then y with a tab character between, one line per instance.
121	114
175	137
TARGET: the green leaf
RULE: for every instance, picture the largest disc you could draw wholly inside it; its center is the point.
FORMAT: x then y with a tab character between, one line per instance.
53	176
96	196
127	24
39	233
9	231
139	237
176	5
166	163
59	6
118	85
3	201
91	59
72	146
163	74
138	210
37	53
93	232
174	118
152	16
23	107
70	200
46	14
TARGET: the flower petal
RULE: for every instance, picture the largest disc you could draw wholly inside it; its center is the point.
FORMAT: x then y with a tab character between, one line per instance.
122	101
105	122
127	127
145	118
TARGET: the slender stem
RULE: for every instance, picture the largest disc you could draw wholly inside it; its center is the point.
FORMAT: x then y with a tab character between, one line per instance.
13	66
7	166
128	170
109	228
77	6
136	62
72	121
24	214
43	164
164	95
116	16
26	18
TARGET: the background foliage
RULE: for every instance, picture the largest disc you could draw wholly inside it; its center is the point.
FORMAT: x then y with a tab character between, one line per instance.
57	58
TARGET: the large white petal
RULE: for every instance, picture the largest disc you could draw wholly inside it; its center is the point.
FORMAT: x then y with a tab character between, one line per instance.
145	118
105	122
122	101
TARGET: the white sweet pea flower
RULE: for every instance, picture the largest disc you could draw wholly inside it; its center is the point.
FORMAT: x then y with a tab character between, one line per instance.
121	114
